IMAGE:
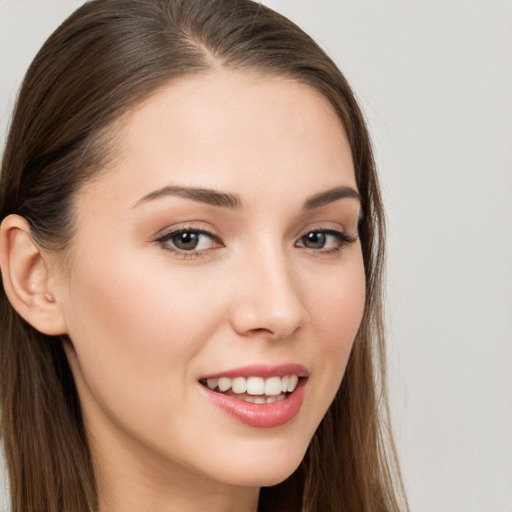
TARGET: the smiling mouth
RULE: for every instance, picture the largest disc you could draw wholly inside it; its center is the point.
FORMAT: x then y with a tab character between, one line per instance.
256	390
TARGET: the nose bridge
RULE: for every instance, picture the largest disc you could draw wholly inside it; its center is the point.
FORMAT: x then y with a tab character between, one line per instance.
270	300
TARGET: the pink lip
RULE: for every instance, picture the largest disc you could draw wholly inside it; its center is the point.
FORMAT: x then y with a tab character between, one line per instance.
262	370
259	415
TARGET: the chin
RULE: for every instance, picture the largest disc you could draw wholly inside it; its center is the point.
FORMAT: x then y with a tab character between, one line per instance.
262	469
268	478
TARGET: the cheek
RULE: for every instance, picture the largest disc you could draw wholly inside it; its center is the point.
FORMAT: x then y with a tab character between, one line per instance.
135	301
337	308
336	313
135	330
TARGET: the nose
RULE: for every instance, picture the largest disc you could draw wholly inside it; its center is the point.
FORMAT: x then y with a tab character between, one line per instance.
269	299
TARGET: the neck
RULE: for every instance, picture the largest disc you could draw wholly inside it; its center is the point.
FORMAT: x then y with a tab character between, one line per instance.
126	495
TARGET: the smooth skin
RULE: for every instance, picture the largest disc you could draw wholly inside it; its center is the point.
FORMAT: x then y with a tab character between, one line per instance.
160	288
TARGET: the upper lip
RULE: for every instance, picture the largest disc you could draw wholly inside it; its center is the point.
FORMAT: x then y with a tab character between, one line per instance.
262	370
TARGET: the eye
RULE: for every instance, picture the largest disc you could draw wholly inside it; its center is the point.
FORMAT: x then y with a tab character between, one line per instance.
326	240
186	240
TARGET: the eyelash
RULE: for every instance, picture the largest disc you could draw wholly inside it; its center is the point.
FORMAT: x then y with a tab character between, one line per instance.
165	240
342	238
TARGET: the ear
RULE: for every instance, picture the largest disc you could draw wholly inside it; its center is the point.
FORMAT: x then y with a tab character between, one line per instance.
27	279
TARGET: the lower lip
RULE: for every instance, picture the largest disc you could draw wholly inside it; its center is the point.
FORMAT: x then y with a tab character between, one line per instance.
260	415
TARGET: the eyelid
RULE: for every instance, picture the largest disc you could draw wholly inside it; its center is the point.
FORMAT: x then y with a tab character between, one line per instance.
332	232
166	235
322	226
192	225
344	238
177	231
328	228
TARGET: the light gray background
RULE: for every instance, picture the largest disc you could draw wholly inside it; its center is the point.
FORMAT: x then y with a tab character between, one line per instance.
435	80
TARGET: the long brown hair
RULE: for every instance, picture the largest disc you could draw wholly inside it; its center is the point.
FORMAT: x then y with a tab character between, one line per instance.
105	58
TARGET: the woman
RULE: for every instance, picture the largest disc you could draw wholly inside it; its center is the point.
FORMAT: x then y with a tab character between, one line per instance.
191	254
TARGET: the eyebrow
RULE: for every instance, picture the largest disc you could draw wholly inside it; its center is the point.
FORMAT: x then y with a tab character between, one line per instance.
329	196
233	201
201	195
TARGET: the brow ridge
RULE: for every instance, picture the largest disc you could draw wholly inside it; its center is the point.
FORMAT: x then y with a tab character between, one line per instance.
201	195
331	195
233	201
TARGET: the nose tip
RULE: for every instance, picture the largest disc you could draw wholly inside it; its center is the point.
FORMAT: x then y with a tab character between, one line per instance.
271	306
253	320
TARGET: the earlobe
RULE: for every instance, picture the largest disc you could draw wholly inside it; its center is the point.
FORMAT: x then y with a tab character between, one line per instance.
27	279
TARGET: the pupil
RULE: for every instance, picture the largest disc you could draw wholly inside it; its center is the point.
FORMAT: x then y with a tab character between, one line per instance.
186	241
315	240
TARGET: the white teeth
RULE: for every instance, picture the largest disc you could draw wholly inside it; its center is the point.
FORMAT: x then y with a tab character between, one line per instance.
224	383
239	385
262	399
255	386
271	387
292	382
212	383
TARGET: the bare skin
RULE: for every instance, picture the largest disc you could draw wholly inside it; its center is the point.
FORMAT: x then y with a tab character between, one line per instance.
274	278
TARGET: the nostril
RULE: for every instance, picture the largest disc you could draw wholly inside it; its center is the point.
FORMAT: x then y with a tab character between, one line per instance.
255	320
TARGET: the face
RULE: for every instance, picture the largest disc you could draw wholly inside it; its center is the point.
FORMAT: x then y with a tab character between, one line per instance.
221	252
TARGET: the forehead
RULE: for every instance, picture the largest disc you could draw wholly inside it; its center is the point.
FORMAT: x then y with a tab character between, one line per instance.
236	131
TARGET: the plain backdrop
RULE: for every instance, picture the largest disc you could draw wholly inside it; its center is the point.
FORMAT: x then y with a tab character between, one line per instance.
435	81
